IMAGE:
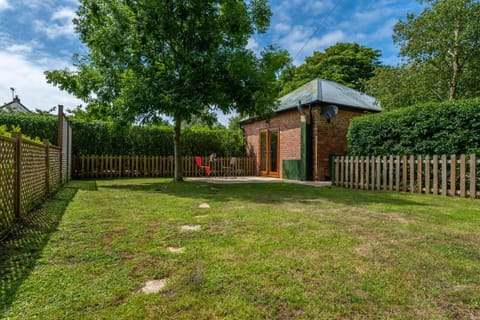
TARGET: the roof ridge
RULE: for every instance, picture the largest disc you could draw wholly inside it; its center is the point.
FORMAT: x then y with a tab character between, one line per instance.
319	89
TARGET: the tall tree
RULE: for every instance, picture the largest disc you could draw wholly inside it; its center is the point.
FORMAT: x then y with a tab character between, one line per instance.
180	58
348	63
405	85
446	34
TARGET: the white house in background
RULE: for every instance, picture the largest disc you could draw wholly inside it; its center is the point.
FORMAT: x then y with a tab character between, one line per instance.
14	106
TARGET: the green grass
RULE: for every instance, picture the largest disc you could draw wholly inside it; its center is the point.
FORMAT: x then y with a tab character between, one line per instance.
274	251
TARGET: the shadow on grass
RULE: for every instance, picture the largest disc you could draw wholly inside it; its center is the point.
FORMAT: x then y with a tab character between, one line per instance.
23	245
265	193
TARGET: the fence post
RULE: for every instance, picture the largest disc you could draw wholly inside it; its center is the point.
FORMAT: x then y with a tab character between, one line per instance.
453	175
412	173
473	178
463	173
419	174
60	139
18	174
444	175
435	174
47	167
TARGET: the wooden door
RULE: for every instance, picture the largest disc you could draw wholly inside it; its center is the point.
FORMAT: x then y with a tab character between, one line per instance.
269	152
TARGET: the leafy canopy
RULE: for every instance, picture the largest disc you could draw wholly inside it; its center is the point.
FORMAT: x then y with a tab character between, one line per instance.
446	35
175	57
179	58
347	63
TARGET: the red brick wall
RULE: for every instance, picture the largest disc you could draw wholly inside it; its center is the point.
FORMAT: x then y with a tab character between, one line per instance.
289	125
329	138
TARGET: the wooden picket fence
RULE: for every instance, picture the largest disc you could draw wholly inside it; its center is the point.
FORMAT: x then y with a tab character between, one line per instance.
99	167
439	175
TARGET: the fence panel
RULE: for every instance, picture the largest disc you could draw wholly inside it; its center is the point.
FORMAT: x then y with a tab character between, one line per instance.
32	177
29	172
456	176
99	167
7	183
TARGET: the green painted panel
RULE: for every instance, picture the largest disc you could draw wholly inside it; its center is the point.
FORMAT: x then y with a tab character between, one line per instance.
293	170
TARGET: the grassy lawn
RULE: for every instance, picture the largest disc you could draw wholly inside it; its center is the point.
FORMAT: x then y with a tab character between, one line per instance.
275	251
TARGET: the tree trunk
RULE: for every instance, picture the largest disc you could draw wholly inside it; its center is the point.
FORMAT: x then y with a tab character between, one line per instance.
177	177
455	65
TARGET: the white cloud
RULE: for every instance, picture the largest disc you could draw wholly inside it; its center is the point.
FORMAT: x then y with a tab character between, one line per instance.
252	44
63	14
60	24
29	81
4	5
301	41
315	7
282	28
19	48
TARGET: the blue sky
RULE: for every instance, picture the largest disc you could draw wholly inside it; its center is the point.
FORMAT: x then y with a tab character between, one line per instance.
38	35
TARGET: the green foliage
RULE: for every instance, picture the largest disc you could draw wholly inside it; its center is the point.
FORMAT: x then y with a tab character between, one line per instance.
432	128
38	126
101	138
405	85
446	34
347	63
176	58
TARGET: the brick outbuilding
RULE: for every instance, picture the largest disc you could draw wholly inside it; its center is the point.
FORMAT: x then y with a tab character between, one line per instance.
310	125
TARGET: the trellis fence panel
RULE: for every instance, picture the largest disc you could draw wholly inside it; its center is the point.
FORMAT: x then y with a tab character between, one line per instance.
438	174
29	172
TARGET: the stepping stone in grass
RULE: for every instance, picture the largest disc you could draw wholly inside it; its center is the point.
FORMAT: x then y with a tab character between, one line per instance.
204	206
201	216
154	286
176	250
196	227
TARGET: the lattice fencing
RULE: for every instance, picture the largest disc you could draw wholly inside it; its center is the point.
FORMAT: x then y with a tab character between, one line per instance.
32	175
29	173
55	174
7	182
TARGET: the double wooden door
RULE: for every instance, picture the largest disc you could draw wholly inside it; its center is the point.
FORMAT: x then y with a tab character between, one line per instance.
269	152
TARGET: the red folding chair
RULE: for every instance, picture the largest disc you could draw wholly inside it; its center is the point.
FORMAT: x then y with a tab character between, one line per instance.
201	167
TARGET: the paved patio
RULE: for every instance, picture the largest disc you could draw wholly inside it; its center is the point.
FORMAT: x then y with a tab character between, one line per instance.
231	180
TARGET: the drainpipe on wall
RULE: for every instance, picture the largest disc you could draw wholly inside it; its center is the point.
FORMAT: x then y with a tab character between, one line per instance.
304	169
309	146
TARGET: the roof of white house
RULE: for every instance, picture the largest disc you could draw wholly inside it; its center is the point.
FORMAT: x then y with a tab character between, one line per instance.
320	90
15	106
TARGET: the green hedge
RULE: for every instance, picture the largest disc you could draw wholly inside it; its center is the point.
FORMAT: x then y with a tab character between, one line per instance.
35	126
432	128
100	138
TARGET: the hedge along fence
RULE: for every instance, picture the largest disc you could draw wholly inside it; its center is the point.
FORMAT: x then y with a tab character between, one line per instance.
438	175
103	138
433	128
29	172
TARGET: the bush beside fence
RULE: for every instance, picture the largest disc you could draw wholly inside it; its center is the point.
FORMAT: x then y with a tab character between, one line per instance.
98	167
106	138
438	175
29	172
451	127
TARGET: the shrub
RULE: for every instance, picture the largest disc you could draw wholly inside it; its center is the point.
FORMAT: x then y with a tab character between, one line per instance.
451	127
102	138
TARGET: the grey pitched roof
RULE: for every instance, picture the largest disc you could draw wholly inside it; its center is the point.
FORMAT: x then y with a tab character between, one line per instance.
14	106
320	90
